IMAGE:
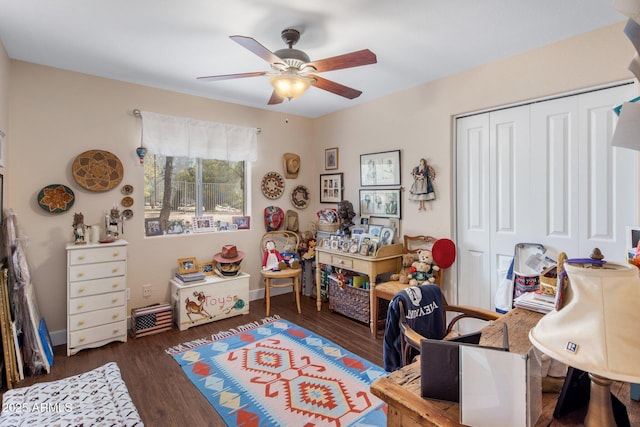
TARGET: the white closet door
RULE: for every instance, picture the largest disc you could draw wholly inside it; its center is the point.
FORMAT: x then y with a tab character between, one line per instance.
473	210
542	173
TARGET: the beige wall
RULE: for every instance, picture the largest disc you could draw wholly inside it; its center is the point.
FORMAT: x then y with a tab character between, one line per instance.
419	121
55	115
4	109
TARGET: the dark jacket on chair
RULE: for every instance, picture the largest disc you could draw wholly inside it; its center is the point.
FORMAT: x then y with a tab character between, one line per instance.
423	310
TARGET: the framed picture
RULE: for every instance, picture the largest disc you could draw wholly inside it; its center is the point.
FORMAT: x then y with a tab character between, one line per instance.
331	158
375	230
203	223
386	236
207	268
152	227
3	150
331	188
378	169
187	265
176	227
243	222
382	203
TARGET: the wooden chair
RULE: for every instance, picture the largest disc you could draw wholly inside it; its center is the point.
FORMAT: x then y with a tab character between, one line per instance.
272	279
386	290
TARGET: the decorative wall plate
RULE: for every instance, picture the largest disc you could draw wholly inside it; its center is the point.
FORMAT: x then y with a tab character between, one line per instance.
127	201
127	213
300	197
272	185
56	198
127	189
97	170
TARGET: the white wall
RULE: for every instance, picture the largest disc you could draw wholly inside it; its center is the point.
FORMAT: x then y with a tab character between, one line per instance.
56	115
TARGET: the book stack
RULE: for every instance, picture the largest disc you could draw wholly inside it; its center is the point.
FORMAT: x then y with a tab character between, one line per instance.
190	278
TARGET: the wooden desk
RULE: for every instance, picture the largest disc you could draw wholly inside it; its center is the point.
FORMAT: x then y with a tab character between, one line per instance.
401	389
387	259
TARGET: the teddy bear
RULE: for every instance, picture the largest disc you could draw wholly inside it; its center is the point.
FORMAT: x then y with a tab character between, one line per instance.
424	270
403	275
311	251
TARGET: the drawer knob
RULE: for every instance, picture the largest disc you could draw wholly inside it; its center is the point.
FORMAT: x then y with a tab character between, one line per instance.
81	257
115	269
81	322
115	285
116	253
80	306
115	315
81	339
80	274
114	300
80	289
116	330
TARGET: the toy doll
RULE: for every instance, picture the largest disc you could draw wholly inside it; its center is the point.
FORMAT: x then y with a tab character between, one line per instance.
422	187
272	259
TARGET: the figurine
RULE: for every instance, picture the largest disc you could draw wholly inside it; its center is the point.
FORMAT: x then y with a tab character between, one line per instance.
422	187
78	228
113	221
346	214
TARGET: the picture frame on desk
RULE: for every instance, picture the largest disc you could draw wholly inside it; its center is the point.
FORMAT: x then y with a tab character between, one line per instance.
187	265
208	268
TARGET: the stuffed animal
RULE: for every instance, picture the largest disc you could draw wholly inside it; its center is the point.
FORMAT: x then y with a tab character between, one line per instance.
425	269
403	275
290	256
311	252
272	259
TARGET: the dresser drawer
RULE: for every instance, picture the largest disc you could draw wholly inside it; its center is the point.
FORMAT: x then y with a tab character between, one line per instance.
105	332
97	286
96	318
97	271
93	255
96	302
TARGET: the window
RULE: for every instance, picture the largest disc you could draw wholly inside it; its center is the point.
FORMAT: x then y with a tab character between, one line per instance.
179	189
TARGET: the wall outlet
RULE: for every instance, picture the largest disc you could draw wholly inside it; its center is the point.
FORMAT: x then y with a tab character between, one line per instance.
146	291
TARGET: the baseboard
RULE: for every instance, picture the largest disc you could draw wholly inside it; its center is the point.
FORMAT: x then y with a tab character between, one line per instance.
60	337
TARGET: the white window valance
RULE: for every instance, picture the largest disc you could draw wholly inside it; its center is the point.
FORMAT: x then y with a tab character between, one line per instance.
187	137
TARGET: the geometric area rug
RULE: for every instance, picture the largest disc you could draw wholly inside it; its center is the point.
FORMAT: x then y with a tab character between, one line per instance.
275	373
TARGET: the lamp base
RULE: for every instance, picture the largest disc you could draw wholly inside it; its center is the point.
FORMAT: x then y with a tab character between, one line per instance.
600	412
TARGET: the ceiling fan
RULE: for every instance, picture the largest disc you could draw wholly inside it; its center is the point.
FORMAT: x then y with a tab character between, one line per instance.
292	72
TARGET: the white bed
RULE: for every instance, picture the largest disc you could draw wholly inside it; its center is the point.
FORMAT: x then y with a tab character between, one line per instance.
95	398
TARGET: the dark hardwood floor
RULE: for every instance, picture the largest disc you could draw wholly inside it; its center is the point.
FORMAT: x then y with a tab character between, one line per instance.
163	394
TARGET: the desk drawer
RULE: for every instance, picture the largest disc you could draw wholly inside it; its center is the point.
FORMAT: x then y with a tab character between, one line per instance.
98	286
93	255
96	302
96	318
342	262
97	271
86	336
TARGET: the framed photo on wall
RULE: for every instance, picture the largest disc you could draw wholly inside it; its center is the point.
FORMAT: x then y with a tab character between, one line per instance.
378	169
380	203
331	158
331	188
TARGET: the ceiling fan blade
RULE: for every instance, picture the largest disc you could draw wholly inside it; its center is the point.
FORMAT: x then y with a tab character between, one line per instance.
337	88
348	60
232	76
275	99
257	48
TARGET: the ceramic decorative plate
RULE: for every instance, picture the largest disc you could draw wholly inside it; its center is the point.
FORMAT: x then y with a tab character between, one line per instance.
56	198
127	202
272	185
97	170
127	189
300	197
127	213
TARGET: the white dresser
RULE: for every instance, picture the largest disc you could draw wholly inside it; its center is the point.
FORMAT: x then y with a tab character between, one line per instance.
96	295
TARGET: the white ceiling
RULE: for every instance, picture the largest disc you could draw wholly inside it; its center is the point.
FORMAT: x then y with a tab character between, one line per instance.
168	43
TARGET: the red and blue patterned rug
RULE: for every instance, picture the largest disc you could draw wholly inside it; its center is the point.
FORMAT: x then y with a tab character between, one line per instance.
275	373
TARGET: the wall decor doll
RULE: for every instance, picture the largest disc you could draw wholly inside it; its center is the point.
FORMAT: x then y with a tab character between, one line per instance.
422	187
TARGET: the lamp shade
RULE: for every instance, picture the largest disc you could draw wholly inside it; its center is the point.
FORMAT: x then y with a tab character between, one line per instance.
597	329
290	85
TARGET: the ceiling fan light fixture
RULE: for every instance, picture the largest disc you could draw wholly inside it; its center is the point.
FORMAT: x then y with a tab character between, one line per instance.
290	86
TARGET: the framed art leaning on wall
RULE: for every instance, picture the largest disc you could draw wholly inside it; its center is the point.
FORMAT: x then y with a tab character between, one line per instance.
380	203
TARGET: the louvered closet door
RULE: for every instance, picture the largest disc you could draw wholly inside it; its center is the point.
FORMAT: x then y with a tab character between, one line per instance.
549	176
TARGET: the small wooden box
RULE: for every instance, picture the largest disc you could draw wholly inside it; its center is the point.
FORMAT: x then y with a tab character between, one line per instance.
151	319
215	298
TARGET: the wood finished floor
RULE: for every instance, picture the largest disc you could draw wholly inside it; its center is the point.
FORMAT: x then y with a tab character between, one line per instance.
163	394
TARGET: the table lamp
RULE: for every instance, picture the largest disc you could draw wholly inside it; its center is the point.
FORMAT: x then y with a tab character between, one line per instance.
596	330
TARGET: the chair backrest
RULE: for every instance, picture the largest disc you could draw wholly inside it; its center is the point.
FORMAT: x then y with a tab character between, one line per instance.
282	239
412	244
